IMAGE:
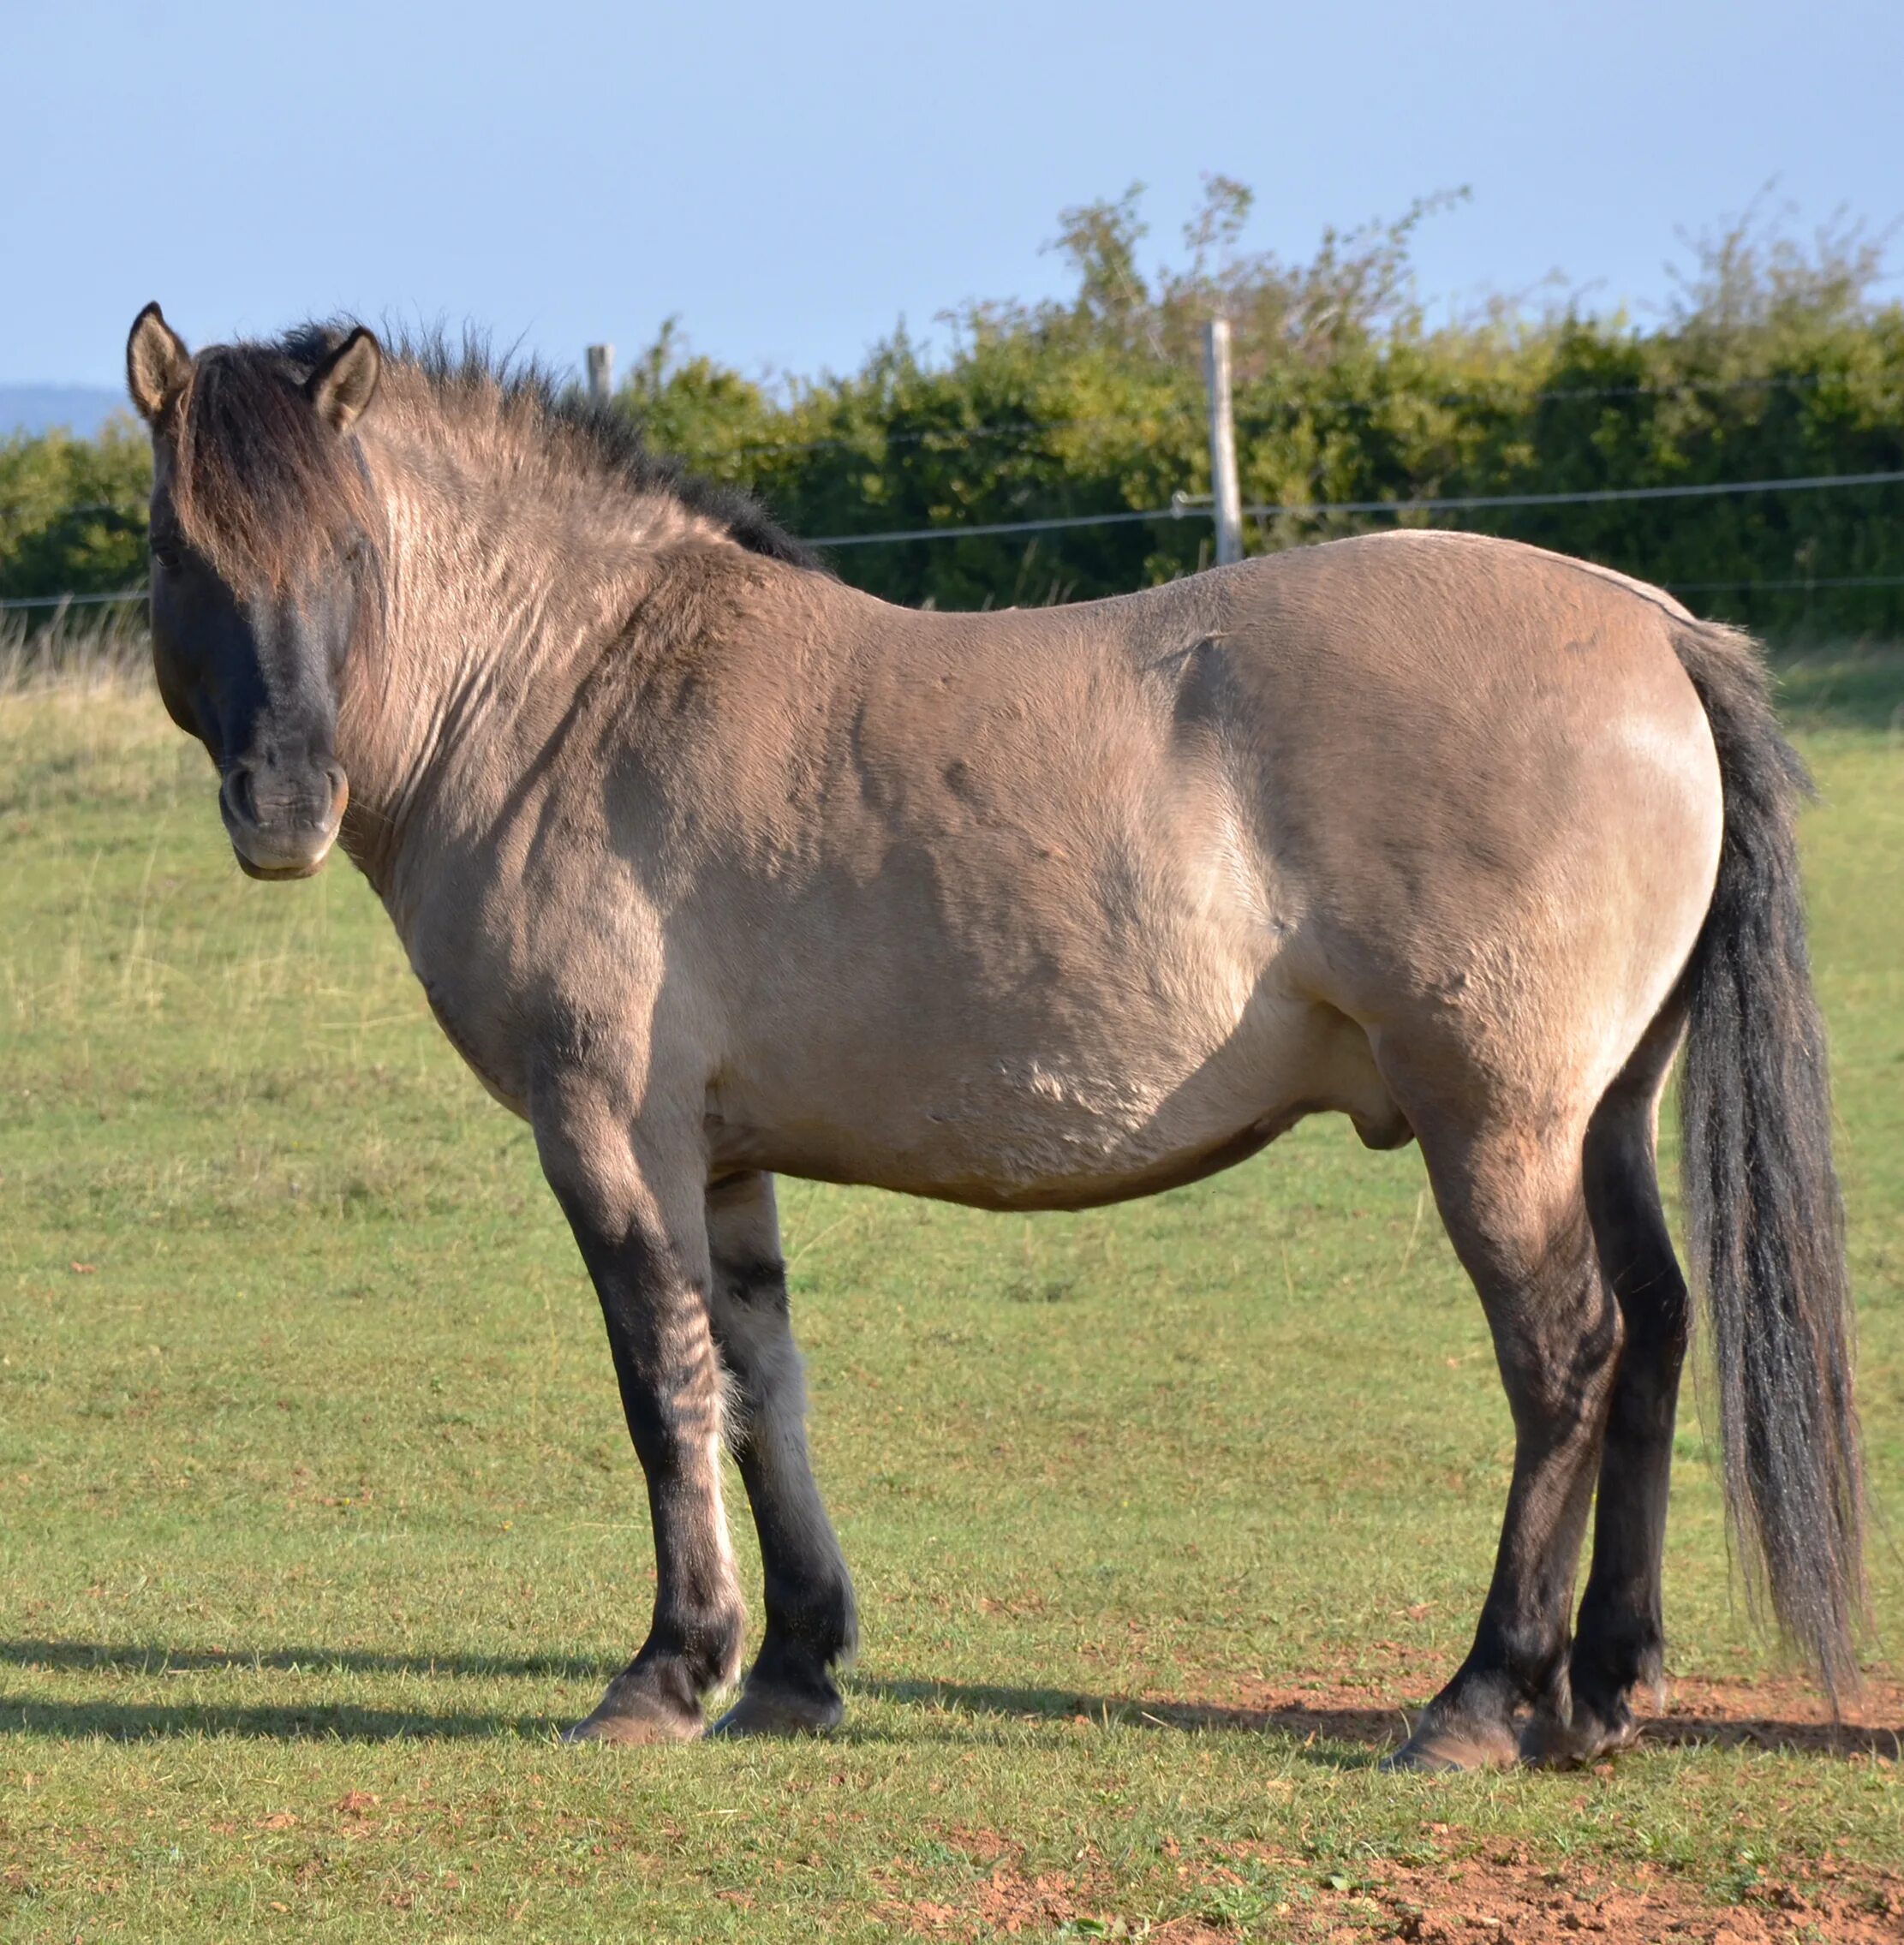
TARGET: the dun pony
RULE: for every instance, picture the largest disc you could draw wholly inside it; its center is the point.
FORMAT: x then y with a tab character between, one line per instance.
715	869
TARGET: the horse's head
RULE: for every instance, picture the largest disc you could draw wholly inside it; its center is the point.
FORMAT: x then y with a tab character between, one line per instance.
263	552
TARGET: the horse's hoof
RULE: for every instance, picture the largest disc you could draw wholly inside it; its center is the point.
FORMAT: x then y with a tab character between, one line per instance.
1441	1751
644	1721
1549	1744
776	1712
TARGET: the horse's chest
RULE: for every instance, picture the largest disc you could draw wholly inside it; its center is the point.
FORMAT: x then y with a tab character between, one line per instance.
491	1056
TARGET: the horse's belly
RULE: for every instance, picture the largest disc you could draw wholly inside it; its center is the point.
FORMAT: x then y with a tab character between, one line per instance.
1018	1150
1024	1123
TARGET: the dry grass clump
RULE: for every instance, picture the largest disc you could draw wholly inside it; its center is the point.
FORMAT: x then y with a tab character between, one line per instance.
104	644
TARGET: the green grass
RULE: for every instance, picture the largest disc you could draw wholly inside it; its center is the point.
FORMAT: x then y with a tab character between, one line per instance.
318	1519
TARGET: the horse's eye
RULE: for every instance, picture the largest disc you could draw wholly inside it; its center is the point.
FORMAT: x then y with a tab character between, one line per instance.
165	553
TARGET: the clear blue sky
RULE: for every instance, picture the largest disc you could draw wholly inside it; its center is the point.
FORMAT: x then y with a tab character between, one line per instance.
790	179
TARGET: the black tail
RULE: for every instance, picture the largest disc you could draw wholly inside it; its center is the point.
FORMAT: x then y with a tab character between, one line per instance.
1767	1223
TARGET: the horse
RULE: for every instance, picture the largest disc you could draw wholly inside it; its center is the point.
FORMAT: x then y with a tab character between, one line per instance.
714	869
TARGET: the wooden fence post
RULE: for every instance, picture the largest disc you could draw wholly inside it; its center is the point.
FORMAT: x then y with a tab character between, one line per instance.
601	372
1224	490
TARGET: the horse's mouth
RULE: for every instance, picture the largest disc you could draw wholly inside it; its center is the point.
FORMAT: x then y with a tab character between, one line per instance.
275	853
278	874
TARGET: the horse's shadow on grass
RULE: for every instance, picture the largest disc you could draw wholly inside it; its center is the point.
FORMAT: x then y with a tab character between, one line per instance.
148	1658
1331	1733
1336	1737
305	1719
323	1722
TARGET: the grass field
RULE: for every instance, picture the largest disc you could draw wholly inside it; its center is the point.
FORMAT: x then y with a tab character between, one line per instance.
317	1520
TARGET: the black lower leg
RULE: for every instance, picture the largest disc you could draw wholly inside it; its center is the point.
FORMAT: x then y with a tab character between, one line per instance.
1517	1663
1620	1643
1556	1337
811	1623
670	1377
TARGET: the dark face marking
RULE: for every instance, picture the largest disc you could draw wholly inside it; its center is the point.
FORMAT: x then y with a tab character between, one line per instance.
254	673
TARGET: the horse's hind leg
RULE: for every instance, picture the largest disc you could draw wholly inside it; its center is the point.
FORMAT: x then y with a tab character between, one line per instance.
1619	1641
1512	1196
810	1621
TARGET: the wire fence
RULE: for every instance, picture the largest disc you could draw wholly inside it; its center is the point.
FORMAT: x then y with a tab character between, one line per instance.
72	600
1456	503
1182	509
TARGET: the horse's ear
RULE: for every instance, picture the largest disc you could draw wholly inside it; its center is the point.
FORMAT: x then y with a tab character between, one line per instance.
157	363
346	382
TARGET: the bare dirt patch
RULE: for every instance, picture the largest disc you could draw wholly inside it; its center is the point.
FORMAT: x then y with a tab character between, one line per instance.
1507	1899
1476	1894
1783	1714
1470	1899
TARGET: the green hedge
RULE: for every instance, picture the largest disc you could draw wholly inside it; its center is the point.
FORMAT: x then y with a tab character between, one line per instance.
73	512
1776	363
1015	429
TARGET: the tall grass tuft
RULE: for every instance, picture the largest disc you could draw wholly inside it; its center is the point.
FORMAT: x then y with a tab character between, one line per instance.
98	645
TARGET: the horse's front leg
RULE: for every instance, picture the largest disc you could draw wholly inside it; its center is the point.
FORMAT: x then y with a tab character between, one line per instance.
635	1200
811	1622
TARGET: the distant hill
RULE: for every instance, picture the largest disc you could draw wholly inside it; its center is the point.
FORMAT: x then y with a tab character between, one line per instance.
82	409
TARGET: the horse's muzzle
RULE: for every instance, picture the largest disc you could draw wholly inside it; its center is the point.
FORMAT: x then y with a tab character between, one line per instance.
283	825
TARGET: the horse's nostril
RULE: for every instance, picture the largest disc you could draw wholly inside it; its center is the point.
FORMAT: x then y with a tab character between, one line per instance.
238	794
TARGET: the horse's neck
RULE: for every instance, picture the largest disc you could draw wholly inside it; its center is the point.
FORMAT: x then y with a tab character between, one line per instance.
498	600
479	612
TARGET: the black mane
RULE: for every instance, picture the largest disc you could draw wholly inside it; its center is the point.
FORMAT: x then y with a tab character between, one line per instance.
613	436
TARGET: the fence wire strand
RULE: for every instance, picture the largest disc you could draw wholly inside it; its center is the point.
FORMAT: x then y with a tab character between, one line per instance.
1596	496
